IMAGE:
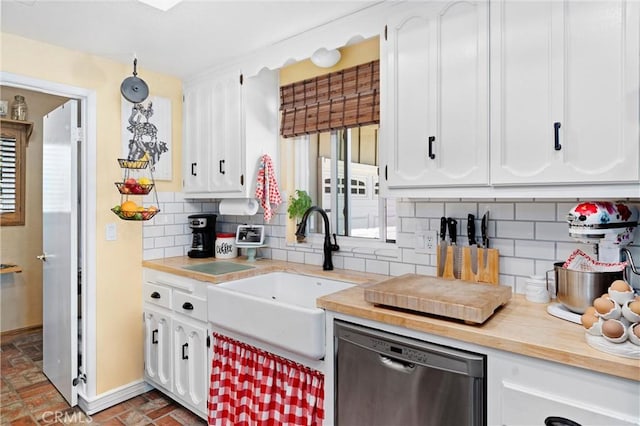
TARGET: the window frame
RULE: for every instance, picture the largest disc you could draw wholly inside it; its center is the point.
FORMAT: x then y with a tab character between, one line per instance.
20	131
380	242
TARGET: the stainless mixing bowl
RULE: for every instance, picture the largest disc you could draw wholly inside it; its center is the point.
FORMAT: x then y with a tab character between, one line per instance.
576	290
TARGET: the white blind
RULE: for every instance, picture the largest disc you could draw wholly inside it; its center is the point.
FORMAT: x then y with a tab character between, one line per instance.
7	175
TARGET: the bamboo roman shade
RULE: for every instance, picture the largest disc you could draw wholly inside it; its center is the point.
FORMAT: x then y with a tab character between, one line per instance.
341	99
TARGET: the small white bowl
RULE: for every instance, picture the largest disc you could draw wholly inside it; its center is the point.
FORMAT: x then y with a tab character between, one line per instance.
632	337
628	313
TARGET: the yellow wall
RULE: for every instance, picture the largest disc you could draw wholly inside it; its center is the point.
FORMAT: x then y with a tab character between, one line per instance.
21	294
350	56
119	272
363	52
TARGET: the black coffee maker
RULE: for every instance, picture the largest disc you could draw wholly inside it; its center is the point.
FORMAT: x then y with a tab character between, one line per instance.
203	228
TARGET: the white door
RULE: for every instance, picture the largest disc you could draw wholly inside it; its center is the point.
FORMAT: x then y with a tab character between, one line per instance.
437	110
60	248
197	137
565	92
227	141
158	348
190	363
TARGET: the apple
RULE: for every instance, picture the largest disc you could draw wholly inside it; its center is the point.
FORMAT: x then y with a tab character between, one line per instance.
130	183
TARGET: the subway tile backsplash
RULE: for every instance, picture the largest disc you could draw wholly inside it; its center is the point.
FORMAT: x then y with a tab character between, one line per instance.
531	235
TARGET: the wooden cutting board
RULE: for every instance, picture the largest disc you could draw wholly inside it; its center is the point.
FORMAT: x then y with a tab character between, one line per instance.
467	301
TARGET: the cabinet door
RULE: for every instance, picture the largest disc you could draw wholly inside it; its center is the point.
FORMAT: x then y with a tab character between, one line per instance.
227	123
158	348
197	140
190	363
564	92
525	391
437	114
601	119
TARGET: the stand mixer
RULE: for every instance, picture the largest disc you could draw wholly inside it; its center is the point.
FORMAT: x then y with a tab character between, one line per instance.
609	226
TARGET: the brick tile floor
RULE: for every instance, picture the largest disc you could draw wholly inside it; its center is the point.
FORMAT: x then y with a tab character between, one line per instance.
28	398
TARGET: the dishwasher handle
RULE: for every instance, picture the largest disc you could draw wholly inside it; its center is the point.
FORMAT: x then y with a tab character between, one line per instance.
397	365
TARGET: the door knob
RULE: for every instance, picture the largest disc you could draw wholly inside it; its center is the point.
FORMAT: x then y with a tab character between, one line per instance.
42	257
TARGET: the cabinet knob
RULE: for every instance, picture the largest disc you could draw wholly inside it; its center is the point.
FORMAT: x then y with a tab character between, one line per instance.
187	306
155	295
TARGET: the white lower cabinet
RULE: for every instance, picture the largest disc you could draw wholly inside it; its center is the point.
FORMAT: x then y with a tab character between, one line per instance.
190	363
176	349
525	391
157	347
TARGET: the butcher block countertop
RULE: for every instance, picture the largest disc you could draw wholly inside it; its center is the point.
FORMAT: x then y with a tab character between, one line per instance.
520	326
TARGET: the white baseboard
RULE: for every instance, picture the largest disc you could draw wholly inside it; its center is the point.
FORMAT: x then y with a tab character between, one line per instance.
112	397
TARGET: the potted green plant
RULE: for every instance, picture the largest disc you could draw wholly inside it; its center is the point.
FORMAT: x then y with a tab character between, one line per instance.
298	204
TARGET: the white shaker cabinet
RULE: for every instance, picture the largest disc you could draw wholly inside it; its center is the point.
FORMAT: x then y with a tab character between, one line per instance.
565	92
229	122
435	96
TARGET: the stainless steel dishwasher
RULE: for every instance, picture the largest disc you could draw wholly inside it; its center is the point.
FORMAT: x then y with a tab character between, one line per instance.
389	380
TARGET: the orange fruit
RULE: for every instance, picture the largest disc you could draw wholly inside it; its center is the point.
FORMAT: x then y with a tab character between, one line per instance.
128	208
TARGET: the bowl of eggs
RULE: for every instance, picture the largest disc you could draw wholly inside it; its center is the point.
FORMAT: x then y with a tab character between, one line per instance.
612	323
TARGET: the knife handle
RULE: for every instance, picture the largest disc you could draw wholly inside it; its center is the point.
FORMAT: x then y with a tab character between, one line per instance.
483	231
443	228
471	229
453	229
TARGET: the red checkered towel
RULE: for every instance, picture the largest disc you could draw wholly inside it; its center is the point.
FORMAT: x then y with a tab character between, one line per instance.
250	386
267	187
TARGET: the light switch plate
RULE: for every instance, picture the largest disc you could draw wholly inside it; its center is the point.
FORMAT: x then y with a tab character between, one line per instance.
110	232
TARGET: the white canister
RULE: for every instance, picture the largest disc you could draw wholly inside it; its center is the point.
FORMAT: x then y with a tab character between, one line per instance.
536	290
225	247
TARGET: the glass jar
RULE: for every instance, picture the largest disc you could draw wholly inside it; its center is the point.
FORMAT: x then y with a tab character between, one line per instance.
19	108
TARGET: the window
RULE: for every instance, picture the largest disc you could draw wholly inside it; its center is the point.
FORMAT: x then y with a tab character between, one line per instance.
333	119
344	163
13	144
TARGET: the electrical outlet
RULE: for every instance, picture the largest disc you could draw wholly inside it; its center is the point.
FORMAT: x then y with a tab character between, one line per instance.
426	242
431	241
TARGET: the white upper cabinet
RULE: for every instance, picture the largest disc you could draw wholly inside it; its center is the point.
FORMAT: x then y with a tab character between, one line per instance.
435	109
196	141
565	92
229	122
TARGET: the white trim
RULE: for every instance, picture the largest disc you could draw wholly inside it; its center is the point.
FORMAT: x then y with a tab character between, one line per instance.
113	397
88	208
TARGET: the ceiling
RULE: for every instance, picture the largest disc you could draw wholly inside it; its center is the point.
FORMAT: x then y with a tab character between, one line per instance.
191	37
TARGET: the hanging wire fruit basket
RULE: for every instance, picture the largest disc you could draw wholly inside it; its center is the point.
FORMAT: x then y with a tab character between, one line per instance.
128	209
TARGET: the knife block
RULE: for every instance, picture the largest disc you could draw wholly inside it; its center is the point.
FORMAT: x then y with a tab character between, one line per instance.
488	261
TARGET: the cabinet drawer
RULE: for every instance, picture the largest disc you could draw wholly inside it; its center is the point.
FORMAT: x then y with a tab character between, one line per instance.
156	294
193	307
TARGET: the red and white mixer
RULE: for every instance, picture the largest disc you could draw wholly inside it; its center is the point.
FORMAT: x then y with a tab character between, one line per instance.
608	225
